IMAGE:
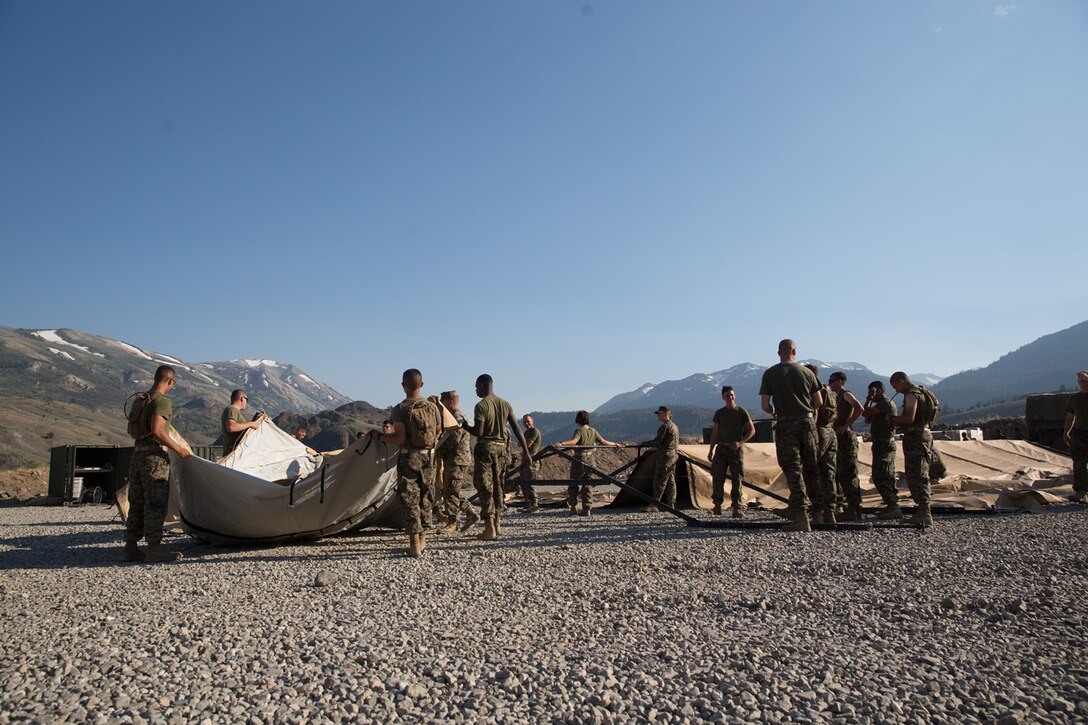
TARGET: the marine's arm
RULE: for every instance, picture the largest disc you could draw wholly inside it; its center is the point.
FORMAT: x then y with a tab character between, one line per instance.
158	432
713	442
749	432
765	404
396	438
910	408
1070	418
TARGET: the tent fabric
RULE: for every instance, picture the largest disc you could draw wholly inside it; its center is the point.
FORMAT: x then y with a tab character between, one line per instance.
222	505
269	453
982	475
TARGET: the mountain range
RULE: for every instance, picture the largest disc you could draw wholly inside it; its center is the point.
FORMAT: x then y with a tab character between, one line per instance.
58	385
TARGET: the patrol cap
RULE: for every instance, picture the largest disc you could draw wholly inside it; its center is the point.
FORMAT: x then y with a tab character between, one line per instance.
663	409
449	394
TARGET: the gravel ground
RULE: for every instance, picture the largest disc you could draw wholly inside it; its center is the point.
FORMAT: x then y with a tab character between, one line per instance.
619	617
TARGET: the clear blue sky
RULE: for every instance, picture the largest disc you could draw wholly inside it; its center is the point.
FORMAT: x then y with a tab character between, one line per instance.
575	197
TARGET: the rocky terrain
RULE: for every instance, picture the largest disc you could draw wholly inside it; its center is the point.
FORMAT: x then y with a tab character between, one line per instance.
620	617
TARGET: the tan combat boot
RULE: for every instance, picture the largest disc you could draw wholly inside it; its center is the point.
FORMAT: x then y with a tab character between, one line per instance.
851	513
818	517
498	526
922	515
450	527
471	517
717	511
798	521
737	513
132	552
891	513
413	546
829	516
489	533
157	552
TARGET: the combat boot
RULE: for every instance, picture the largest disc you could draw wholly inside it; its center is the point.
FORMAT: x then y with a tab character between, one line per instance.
449	528
829	516
818	517
157	552
717	509
132	552
891	513
531	508
922	515
586	510
413	546
498	526
798	521
737	513
489	533
851	513
471	517
573	510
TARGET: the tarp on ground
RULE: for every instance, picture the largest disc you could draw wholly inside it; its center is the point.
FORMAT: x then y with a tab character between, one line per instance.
982	475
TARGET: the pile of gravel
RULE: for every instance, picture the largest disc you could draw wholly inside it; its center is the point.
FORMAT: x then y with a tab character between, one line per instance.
618	617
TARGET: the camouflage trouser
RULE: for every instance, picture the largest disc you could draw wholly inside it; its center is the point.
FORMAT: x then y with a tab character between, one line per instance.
823	494
795	449
579	472
1078	448
454	478
525	475
916	447
487	477
415	481
727	462
884	469
846	473
148	494
665	477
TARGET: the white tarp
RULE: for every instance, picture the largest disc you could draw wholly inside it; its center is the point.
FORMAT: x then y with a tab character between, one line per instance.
226	506
269	453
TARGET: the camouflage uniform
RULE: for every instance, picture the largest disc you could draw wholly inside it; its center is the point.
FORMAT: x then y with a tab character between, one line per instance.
584	436
790	386
732	424
1078	441
917	444
823	494
148	493
415	471
884	451
455	452
528	473
668	438
846	461
490	455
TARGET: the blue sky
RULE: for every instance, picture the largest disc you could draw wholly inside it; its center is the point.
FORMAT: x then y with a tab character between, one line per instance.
575	197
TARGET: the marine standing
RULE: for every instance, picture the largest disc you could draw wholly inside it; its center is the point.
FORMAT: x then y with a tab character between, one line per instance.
824	494
1076	437
847	409
665	443
584	437
416	424
733	428
878	412
790	393
491	417
233	423
455	454
528	473
917	444
149	472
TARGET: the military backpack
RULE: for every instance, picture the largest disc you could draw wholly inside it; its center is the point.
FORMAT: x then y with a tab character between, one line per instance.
928	405
138	412
422	427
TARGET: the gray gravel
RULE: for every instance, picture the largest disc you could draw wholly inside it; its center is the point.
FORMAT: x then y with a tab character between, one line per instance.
615	618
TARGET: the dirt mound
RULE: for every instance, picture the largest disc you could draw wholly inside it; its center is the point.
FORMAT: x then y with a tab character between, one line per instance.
24	483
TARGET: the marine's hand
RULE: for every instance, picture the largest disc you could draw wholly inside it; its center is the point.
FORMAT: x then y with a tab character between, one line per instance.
184	453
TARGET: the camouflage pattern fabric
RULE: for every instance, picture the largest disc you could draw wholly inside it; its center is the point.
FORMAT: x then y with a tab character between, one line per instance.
846	468
822	491
727	462
487	477
415	482
795	449
1078	448
884	469
148	494
579	472
917	443
665	475
937	469
525	475
454	477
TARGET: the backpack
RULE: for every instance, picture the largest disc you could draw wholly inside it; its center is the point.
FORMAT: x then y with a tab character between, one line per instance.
928	405
422	427
139	414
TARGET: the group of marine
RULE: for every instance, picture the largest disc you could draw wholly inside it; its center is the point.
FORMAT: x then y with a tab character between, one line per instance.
815	446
